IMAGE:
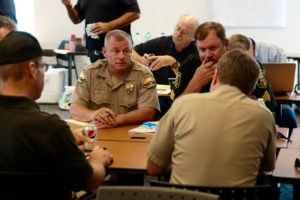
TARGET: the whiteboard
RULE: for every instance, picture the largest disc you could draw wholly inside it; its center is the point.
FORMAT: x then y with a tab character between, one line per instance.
248	13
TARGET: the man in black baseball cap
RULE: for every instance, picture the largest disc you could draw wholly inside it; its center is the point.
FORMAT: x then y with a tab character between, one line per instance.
33	141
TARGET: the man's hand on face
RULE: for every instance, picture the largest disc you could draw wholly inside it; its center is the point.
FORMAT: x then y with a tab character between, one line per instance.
205	73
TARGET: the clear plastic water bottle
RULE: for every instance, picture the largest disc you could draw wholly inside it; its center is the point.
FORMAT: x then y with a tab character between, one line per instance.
137	39
148	36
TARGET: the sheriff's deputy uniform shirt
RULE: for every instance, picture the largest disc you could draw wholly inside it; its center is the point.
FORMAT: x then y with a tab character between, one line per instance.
134	89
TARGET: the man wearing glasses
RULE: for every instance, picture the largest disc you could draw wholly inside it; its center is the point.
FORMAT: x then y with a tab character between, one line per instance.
164	54
34	141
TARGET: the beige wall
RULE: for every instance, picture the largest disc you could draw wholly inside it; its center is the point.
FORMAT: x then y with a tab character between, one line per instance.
53	25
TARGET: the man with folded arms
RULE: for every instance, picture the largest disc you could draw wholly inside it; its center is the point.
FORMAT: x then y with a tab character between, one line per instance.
115	91
221	138
34	141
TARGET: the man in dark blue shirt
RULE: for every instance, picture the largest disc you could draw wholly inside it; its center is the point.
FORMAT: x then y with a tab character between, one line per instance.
103	15
8	9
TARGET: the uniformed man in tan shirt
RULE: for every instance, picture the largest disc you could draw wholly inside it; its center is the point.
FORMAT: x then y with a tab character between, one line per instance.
115	91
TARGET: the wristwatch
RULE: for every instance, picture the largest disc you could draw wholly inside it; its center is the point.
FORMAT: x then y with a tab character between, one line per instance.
175	65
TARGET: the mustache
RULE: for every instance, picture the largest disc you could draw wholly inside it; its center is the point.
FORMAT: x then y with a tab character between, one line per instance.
210	59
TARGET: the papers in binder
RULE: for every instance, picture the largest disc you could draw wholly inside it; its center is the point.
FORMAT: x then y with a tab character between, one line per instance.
146	128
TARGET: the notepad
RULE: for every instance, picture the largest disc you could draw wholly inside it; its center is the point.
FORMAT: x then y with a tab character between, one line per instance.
163	89
146	128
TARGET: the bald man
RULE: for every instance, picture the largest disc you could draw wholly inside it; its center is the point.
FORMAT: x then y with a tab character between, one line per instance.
169	51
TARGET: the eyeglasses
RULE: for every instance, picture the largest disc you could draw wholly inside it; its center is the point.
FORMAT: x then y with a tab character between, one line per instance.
43	65
179	29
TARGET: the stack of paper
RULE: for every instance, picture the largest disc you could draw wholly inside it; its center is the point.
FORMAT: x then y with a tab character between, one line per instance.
163	89
146	128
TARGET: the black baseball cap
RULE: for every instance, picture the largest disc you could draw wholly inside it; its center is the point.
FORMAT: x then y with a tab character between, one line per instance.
19	46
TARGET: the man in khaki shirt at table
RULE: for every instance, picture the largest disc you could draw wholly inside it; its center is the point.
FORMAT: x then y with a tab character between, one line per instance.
115	91
220	138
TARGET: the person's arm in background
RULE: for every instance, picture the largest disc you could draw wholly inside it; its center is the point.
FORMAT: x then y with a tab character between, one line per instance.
124	20
72	12
137	57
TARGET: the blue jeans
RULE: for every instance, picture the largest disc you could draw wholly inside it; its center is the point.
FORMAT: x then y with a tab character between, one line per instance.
288	117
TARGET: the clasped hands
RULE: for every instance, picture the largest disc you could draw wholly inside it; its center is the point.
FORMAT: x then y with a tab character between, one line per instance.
157	62
104	118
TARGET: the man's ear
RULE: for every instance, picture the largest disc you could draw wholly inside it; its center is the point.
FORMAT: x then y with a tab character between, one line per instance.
215	81
104	51
32	69
227	44
216	76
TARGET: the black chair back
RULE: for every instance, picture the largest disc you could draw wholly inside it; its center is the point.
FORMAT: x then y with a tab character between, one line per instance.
226	193
151	193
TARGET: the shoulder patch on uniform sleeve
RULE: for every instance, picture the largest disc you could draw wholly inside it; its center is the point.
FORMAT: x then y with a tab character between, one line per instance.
262	80
177	79
81	78
148	81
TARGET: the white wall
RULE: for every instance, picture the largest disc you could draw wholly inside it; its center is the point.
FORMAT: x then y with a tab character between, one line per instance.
53	25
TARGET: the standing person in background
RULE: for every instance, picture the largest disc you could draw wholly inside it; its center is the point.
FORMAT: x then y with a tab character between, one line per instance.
6	26
8	9
106	15
169	51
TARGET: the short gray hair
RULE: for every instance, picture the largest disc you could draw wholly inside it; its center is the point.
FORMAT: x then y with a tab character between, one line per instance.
119	35
239	42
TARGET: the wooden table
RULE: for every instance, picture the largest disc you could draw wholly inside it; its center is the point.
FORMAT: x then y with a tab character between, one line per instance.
284	167
129	153
287	98
296	57
118	134
281	142
285	170
295	139
129	157
121	134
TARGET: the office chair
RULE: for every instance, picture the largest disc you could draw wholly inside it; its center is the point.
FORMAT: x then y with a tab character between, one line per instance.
31	185
151	193
226	192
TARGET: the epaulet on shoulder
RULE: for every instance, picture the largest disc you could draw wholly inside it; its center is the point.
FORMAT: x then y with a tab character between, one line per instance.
97	64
